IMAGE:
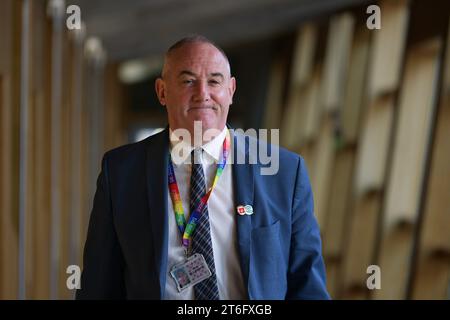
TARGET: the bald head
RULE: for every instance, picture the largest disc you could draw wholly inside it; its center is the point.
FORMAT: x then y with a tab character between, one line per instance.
186	42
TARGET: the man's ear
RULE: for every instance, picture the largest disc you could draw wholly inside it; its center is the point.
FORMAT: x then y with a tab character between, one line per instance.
232	88
160	91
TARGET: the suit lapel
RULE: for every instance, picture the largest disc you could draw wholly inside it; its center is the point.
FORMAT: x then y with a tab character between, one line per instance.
156	172
243	184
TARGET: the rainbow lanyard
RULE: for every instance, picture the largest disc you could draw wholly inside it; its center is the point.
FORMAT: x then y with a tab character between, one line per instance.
188	230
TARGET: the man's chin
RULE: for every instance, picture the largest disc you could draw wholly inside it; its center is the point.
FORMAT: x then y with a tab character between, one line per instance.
202	124
205	120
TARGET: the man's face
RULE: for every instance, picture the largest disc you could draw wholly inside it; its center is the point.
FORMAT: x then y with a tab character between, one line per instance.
196	86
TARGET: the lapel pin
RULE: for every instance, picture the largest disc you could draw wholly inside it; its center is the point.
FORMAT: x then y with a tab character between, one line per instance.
247	209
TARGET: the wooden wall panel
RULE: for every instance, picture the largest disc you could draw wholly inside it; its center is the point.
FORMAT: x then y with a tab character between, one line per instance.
354	100
322	170
304	53
432	275
302	116
337	58
31	201
308	152
41	96
86	204
405	184
360	244
436	222
337	222
9	19
340	195
114	125
8	214
66	167
311	110
395	262
27	156
388	49
412	134
374	146
332	269
292	118
77	141
272	117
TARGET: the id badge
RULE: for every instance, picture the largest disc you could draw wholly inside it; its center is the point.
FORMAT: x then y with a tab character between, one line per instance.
190	272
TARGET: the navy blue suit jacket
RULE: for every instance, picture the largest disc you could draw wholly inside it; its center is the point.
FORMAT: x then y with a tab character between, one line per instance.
125	254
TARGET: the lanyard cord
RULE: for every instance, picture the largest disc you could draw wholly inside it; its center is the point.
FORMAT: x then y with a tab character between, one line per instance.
188	229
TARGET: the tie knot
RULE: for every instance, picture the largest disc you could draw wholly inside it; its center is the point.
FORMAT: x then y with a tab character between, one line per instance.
197	156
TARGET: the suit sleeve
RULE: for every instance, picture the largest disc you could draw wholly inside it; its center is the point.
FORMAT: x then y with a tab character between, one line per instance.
102	276
306	273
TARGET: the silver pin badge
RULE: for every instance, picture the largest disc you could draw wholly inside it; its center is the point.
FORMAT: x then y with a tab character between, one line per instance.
248	209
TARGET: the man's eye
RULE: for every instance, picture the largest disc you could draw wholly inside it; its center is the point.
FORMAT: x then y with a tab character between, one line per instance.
188	81
214	82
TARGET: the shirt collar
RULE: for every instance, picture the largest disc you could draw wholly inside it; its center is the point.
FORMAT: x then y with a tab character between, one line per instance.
213	148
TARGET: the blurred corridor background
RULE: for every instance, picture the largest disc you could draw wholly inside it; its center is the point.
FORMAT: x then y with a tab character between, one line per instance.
368	109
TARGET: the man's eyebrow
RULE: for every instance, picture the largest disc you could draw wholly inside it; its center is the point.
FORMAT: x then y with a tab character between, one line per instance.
217	74
186	72
190	73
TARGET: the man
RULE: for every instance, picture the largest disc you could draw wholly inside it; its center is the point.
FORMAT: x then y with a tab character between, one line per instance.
252	236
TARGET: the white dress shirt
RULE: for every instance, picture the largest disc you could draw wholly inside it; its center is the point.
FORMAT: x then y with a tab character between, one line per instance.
222	215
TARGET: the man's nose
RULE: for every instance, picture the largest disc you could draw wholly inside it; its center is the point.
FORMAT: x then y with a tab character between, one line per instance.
201	93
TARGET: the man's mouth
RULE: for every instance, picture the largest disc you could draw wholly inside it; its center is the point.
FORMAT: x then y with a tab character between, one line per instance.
203	108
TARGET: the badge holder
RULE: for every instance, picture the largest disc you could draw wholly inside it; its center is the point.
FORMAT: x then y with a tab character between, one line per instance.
190	272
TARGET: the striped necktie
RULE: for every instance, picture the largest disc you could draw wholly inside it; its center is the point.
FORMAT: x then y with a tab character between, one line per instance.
201	242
